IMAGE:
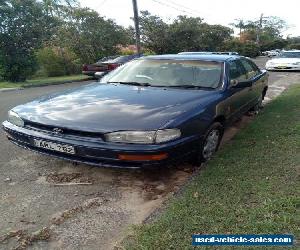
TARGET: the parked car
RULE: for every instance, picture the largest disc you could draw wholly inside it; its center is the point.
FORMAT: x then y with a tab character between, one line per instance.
287	60
149	112
272	53
107	64
210	53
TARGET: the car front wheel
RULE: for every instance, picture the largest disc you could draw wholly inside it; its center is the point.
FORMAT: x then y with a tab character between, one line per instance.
211	141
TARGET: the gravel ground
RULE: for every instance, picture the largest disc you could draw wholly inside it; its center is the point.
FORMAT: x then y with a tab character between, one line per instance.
48	203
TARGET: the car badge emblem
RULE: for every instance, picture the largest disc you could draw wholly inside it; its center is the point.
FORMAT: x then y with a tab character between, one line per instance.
57	131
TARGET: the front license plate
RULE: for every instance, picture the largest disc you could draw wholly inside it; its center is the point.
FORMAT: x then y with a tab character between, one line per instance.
54	146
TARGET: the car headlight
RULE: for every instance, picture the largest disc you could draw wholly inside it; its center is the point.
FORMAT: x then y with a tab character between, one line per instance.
15	119
296	63
143	137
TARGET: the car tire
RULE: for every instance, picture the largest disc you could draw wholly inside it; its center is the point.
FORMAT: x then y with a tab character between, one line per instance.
210	143
259	105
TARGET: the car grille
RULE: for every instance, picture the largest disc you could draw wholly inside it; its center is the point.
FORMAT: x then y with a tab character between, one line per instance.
59	131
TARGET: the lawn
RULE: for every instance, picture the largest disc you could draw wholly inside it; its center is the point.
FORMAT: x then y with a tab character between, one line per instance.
250	187
41	81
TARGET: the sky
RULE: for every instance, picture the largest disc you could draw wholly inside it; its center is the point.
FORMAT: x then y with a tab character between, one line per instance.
212	11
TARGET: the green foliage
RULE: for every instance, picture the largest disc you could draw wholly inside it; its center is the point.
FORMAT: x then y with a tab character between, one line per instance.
148	52
89	35
266	32
23	27
57	61
249	49
278	43
59	35
127	52
155	34
73	35
184	34
294	46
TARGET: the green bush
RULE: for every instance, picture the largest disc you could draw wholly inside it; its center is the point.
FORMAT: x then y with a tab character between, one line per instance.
145	52
55	61
17	66
127	52
249	49
293	46
148	52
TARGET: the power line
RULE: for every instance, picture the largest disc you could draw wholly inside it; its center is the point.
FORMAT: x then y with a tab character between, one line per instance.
175	8
182	6
192	12
100	4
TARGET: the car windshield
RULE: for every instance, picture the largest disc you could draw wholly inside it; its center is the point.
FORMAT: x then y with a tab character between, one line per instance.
290	55
168	73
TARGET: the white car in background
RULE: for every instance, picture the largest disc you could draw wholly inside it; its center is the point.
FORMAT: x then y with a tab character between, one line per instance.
286	60
272	53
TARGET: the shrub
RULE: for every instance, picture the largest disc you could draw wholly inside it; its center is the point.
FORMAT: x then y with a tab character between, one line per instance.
56	61
249	49
293	46
17	66
127	52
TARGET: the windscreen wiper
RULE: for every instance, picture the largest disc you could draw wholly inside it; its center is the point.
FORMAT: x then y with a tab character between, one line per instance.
190	87
144	84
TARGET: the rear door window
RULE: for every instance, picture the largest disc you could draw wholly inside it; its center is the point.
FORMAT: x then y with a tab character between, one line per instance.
236	71
251	69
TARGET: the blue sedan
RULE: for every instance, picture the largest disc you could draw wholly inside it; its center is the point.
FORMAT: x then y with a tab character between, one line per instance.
152	111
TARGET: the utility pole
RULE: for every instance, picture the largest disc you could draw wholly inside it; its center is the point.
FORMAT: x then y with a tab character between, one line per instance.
259	29
137	26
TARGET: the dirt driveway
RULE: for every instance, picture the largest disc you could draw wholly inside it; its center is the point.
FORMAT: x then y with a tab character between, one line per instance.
52	204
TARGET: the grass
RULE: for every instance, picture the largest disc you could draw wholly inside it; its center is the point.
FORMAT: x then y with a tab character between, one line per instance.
41	81
250	187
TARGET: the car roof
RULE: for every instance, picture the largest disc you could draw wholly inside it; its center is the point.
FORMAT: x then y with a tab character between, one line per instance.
209	52
204	57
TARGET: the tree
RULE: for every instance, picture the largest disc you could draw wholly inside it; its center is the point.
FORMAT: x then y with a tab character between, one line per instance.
22	30
53	7
293	42
249	48
186	34
89	35
240	24
214	36
263	30
183	34
154	33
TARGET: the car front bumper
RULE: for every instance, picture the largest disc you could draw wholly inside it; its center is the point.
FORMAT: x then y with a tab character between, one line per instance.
101	153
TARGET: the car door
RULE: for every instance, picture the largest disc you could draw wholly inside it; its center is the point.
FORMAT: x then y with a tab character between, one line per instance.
258	79
239	97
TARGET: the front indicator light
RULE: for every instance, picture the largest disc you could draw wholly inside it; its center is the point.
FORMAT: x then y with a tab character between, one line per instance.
156	157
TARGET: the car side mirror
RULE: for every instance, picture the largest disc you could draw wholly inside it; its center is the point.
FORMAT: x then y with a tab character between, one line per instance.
242	84
233	83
